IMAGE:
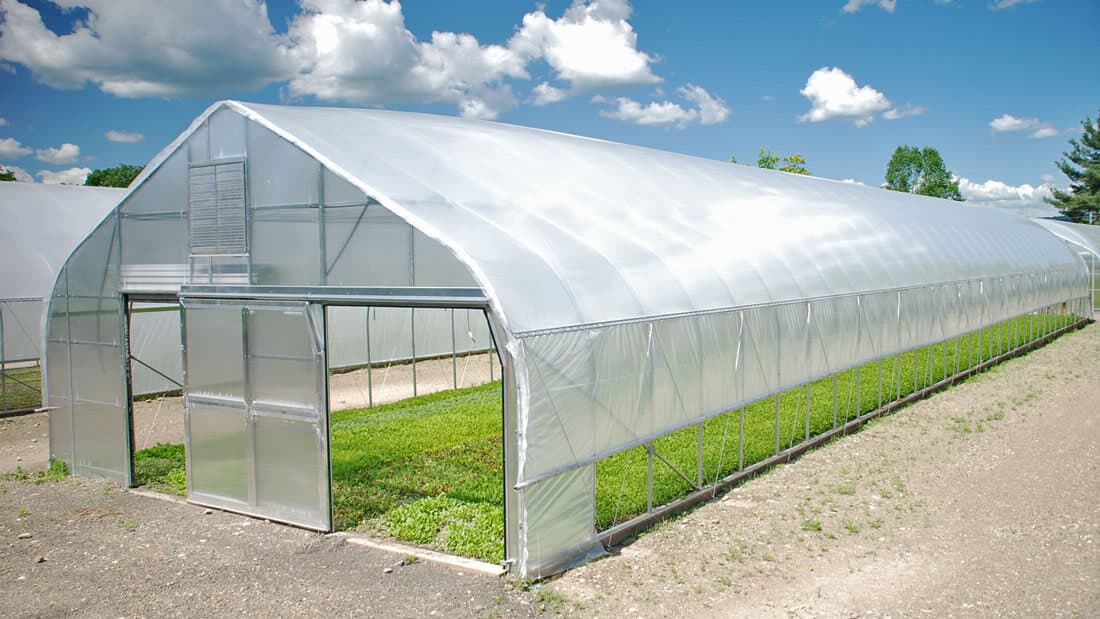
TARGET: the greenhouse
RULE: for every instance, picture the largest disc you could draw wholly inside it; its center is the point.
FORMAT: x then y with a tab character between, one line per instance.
631	303
42	223
1084	239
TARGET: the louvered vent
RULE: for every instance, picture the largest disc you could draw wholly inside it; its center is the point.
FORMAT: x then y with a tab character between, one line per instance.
218	209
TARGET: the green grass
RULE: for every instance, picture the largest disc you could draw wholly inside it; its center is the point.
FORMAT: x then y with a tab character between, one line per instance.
21	388
428	469
57	471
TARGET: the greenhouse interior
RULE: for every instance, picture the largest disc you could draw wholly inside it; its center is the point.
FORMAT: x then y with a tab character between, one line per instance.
551	340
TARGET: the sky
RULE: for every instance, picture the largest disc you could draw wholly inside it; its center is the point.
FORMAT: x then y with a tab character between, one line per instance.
997	86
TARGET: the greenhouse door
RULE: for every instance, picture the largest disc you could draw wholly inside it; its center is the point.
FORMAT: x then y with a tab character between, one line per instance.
256	420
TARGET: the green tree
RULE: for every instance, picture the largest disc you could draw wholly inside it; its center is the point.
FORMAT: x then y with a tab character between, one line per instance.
1081	164
119	176
795	164
921	171
6	175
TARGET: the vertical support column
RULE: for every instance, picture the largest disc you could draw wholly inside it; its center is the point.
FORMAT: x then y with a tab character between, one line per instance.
836	379
809	393
741	440
897	358
370	366
699	455
412	330
649	477
511	432
4	363
454	351
741	372
859	368
778	374
249	419
322	239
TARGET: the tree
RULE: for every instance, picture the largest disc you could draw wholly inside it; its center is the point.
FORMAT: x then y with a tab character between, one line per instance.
1081	164
795	164
119	176
6	175
921	171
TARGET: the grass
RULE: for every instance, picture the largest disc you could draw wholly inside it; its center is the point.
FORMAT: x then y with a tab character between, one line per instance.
21	388
428	469
57	471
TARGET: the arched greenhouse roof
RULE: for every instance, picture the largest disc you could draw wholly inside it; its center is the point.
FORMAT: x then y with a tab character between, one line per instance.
1082	235
42	224
564	231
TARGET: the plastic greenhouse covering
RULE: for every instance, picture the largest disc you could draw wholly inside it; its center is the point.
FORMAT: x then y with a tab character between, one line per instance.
631	292
42	224
1085	239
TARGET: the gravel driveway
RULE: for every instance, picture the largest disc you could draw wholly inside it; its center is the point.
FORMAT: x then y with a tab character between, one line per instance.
983	500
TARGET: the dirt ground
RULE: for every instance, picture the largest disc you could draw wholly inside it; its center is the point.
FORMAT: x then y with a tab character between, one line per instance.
983	500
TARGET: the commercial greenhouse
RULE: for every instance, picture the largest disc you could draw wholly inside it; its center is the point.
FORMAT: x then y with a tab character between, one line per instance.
41	225
629	294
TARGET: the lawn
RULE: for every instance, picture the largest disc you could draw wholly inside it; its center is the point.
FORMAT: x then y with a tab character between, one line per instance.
21	388
428	469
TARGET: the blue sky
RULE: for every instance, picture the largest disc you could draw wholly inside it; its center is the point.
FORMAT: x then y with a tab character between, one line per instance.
998	86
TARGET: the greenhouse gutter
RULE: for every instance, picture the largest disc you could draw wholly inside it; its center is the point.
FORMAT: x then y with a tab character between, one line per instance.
398	296
619	533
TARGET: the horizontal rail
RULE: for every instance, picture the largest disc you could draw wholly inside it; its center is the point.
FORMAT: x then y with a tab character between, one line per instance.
400	296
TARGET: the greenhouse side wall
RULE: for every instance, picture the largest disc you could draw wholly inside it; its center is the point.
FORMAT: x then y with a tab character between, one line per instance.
596	391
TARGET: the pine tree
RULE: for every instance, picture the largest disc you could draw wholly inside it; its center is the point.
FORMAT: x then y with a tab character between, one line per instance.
1081	164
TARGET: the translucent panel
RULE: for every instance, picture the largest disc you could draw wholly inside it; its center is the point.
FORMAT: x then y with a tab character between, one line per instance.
280	332
102	444
60	423
216	332
339	191
94	319
390	334
218	453
163	192
435	265
433	332
291	482
57	371
21	335
283	381
97	374
227	135
198	144
285	246
560	516
93	268
347	341
366	246
155	239
278	172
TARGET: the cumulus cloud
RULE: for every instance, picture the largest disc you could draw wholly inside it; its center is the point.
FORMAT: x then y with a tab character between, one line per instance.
21	175
834	94
1008	123
136	48
854	5
545	94
125	137
708	110
11	148
66	153
3	122
1025	199
72	176
901	112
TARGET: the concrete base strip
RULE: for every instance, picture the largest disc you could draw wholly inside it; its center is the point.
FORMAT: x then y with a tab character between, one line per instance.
152	494
463	563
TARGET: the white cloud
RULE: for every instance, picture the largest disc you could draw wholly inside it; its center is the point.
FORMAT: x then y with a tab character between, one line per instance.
11	148
901	112
545	94
72	176
767	98
124	136
1006	4
66	153
361	52
3	122
833	94
1039	129
854	5
591	47
137	48
852	181
21	175
708	110
1047	178
1025	199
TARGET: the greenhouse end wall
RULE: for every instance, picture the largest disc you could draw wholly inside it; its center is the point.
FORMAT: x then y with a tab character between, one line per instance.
631	292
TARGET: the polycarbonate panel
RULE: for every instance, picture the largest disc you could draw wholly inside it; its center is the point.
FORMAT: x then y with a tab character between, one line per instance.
214	332
94	319
559	514
94	268
280	173
340	192
97	375
102	446
291	472
218	454
227	135
285	246
21	321
283	381
155	239
60	422
435	265
155	340
390	334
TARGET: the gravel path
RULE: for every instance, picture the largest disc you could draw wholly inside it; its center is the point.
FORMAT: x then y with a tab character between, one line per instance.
983	500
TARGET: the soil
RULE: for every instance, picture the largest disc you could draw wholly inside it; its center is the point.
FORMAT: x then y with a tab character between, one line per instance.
982	500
